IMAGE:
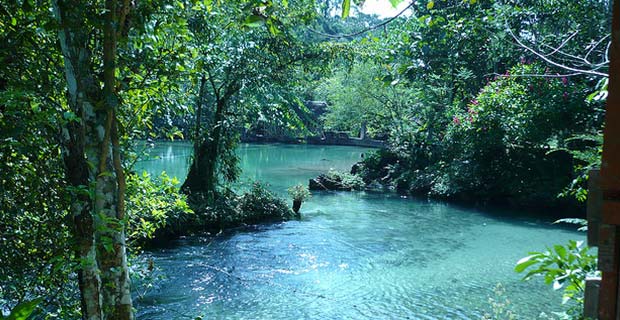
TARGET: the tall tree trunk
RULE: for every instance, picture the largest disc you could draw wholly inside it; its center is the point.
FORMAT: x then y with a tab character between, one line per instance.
213	147
92	158
82	94
109	203
195	180
202	176
198	128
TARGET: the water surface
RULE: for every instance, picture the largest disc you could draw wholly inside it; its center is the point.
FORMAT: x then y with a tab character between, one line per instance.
357	255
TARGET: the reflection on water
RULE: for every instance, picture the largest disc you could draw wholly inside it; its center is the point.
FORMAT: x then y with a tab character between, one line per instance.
352	255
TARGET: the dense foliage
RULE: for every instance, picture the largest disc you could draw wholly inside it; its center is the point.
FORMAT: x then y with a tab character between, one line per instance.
471	104
492	100
229	209
155	208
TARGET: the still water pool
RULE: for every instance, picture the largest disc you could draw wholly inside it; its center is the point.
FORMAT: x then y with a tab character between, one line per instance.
357	255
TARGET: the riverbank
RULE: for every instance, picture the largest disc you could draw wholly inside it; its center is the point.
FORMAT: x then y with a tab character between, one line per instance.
516	190
171	158
328	138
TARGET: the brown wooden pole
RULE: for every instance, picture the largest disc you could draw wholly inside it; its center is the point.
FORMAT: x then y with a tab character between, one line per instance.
610	183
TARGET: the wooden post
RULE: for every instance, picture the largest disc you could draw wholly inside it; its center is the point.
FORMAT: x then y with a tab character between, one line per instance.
610	182
595	205
590	303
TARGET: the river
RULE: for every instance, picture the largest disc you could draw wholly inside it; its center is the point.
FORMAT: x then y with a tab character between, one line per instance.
352	255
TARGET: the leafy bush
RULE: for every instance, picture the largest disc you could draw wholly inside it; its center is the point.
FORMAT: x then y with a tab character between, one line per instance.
299	192
346	180
229	209
502	140
501	307
512	143
260	204
155	208
36	247
376	165
587	152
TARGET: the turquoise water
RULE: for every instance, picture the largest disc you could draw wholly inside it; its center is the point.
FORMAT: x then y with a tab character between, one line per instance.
357	255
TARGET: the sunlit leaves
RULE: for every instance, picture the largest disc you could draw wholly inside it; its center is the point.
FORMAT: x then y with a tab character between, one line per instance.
23	310
395	3
346	8
254	21
154	204
561	267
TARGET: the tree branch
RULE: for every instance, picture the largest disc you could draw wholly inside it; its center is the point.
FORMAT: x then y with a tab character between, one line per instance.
377	26
552	62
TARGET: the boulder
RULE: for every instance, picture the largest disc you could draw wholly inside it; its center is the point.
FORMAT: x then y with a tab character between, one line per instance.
323	182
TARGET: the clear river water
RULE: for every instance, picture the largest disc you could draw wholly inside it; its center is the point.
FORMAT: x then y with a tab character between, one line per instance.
352	255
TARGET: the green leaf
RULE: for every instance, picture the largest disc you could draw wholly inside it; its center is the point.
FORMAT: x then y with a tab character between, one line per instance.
524	263
23	310
430	5
208	4
346	8
13	21
271	25
560	250
254	21
395	3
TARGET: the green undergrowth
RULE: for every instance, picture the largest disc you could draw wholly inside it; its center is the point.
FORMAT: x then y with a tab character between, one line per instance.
158	210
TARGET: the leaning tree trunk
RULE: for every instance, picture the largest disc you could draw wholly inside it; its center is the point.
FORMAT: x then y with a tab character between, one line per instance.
202	175
92	158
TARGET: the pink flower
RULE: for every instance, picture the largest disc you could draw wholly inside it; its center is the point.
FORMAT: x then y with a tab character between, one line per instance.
456	120
564	80
522	60
474	102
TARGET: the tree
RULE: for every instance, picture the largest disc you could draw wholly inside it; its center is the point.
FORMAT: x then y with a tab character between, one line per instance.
235	68
91	153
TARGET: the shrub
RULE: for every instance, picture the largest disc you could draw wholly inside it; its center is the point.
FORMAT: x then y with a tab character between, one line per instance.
260	205
228	209
376	165
346	180
155	207
499	145
299	192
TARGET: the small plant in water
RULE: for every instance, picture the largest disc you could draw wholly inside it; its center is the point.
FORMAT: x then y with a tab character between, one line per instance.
501	308
299	193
